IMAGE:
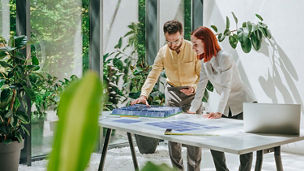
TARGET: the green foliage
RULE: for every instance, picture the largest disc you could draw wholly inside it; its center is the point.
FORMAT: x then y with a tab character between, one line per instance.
248	35
115	69
149	166
85	34
141	69
141	38
118	66
15	72
21	78
12	6
44	86
77	128
47	92
187	19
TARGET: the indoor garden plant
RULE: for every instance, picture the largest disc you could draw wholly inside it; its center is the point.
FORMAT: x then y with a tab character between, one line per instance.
16	95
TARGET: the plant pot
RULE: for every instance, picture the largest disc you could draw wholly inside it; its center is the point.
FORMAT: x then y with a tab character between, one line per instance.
146	145
10	155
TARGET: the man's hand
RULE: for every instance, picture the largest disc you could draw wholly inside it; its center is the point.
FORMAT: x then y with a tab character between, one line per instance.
213	115
141	99
188	91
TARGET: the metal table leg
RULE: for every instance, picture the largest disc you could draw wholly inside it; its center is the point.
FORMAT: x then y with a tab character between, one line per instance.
104	149
132	151
259	160
277	157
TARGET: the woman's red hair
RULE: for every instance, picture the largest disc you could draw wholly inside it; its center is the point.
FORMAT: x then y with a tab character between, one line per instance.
211	46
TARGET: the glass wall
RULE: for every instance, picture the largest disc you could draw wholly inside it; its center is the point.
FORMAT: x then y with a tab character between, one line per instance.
119	18
56	41
60	39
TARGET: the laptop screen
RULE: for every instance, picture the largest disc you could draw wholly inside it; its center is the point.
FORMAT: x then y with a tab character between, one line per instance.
272	118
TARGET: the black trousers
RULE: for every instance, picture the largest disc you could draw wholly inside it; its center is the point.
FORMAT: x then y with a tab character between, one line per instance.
219	157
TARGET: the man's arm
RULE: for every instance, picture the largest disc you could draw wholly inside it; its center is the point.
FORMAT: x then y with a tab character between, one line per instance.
146	89
152	78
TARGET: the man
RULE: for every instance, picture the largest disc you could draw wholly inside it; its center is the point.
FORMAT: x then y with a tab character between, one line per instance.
182	68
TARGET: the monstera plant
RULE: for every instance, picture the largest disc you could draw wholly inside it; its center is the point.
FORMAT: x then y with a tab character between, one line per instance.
249	35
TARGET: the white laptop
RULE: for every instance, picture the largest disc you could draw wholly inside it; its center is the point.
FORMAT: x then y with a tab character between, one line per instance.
272	118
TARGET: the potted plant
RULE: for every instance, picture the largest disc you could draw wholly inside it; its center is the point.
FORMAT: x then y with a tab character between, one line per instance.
15	93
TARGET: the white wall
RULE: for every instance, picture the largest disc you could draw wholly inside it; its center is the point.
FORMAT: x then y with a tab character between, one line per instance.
169	10
275	72
117	15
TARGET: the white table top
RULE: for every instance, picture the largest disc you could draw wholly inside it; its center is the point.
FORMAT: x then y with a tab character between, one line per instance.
228	133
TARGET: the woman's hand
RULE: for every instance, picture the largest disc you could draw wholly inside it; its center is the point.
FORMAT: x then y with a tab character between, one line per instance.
190	112
213	115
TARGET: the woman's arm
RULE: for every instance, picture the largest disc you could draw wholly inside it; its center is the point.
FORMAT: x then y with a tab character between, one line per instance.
196	103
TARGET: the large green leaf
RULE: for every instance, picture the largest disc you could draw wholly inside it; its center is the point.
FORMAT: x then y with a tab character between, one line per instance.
233	40
105	56
20	41
235	18
35	60
227	32
214	28
249	27
6	96
221	37
24	118
5	64
118	63
24	129
227	23
265	32
29	91
3	54
244	39
129	33
256	39
259	17
33	67
119	44
77	128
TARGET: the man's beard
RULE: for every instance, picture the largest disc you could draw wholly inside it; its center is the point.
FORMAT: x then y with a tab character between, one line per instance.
177	48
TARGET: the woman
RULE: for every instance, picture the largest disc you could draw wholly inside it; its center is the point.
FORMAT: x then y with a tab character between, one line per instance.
219	68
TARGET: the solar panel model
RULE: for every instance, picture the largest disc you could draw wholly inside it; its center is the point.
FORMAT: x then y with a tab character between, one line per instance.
141	110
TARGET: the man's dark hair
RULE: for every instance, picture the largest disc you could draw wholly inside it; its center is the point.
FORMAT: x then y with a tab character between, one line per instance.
173	26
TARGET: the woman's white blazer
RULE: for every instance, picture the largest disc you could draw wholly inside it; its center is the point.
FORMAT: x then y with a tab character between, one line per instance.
223	73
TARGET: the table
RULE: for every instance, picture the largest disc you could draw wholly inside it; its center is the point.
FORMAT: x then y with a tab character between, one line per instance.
225	135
